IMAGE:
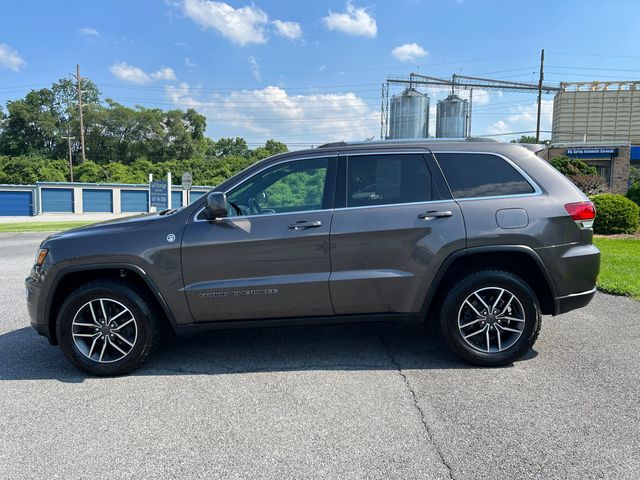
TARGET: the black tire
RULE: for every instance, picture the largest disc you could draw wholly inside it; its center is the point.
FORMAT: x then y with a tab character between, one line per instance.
148	326
454	305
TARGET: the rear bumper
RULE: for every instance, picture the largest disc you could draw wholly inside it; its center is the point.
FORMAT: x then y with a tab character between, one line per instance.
571	302
574	269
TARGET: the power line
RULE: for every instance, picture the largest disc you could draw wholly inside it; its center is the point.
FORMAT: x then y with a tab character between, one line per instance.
340	70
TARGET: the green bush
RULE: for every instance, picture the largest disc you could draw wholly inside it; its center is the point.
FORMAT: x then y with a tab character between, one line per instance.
572	166
615	214
634	192
590	184
27	170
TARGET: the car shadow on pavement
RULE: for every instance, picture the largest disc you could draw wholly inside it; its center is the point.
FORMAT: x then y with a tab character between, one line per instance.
26	356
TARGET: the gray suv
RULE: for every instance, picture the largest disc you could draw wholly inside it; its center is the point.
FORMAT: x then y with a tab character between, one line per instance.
482	235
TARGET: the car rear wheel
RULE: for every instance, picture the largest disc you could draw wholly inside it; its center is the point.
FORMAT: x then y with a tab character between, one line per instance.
107	328
491	318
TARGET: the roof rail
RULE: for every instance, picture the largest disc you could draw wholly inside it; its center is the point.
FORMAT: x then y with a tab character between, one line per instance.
408	140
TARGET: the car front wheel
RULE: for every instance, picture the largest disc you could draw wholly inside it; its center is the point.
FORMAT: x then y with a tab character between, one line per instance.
108	328
491	318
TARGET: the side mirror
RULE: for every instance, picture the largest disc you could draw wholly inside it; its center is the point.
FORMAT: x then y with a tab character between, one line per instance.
216	206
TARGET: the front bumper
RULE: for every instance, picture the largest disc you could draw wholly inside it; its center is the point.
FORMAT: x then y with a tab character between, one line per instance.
573	301
35	306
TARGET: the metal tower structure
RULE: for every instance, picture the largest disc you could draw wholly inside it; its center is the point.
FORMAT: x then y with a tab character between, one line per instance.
457	82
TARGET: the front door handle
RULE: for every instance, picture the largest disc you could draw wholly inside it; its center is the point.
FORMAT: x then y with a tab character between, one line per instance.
303	224
434	214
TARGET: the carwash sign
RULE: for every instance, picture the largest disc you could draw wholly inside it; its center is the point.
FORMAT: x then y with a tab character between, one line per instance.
592	152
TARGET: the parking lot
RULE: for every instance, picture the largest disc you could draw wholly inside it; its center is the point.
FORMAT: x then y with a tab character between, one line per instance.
364	401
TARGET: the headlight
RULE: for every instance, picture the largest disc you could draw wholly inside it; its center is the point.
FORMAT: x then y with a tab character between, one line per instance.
42	254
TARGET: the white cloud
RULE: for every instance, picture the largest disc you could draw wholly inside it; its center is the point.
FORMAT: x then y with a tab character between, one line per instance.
273	112
355	21
255	68
291	30
165	73
128	73
523	119
409	52
527	115
189	63
480	97
11	59
240	25
498	128
89	32
131	74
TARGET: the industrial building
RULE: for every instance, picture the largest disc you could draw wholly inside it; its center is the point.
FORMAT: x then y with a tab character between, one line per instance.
409	115
599	123
597	112
452	117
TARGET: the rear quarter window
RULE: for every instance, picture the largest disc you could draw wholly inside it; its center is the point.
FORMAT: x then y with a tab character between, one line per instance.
473	175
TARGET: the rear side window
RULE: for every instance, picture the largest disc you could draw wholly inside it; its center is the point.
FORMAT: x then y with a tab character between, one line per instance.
387	179
481	175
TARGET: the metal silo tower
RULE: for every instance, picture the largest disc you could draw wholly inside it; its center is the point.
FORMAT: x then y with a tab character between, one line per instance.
452	117
409	115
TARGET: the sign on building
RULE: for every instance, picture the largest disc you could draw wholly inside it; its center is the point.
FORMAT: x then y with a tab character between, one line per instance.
592	152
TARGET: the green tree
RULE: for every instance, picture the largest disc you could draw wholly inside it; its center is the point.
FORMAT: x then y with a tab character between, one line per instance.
526	139
32	125
227	147
89	172
271	147
37	123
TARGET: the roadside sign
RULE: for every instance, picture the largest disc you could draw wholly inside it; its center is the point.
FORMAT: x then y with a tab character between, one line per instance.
159	194
187	181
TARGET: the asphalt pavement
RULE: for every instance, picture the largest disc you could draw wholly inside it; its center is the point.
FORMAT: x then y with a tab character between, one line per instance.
346	402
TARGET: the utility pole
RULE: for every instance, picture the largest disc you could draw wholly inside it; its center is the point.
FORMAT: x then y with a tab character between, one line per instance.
69	138
79	78
540	95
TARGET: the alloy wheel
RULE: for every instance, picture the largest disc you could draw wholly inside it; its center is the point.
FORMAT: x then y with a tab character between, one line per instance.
491	320
104	330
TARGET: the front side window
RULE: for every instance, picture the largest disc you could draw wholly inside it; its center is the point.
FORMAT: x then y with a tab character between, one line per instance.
286	188
387	179
473	175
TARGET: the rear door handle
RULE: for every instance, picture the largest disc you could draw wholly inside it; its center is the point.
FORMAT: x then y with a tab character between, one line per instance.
303	224
434	214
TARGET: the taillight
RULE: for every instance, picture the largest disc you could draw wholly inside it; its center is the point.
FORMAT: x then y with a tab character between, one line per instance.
582	212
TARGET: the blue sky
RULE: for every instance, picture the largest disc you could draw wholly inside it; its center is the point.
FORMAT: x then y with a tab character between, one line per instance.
310	72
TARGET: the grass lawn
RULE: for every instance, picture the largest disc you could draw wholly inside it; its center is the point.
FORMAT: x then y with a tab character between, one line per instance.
41	226
620	266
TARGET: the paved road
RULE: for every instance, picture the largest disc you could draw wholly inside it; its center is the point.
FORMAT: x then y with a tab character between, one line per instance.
324	402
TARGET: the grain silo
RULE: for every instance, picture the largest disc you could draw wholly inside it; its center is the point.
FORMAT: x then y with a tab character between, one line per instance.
452	117
409	115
